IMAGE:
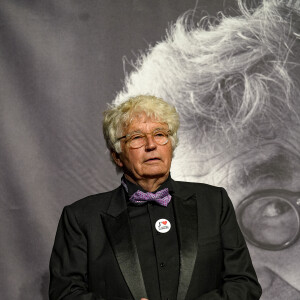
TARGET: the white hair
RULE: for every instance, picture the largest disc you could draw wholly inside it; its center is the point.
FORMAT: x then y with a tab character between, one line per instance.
228	78
118	117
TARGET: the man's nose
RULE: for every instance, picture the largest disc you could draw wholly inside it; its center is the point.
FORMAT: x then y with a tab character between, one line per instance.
150	143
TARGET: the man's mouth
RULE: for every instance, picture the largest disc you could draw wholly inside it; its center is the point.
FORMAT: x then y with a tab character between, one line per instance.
152	159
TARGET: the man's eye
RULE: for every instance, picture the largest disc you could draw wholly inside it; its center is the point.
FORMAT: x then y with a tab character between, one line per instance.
274	209
160	134
269	221
136	137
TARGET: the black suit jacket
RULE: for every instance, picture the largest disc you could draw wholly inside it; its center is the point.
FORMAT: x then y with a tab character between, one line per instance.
95	257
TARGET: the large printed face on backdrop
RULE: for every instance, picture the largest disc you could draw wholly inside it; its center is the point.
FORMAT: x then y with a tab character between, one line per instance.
236	89
263	181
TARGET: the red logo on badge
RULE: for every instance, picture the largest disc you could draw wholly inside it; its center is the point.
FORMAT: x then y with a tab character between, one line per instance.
162	225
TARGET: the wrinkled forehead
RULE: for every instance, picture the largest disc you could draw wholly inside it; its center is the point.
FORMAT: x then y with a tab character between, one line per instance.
206	153
141	122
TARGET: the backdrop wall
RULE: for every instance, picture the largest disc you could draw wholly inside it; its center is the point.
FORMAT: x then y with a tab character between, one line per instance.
61	62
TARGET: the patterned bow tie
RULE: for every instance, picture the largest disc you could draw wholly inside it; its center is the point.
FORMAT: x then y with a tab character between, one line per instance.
161	197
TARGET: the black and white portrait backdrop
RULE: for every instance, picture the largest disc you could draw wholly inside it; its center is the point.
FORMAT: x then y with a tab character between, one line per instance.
230	68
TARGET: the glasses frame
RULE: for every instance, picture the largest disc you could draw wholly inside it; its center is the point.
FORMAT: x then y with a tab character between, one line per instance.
128	136
292	198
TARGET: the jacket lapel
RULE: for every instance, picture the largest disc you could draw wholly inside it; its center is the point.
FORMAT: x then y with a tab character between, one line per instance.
117	226
187	228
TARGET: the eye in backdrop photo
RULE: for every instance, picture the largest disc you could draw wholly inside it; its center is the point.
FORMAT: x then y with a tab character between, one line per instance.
231	68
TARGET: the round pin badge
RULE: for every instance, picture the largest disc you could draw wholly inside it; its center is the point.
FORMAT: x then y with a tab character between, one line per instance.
162	225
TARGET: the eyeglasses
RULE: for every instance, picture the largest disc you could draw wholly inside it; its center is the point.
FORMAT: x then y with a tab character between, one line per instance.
138	139
270	219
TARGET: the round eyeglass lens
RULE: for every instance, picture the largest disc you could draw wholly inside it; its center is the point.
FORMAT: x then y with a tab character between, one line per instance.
160	138
269	222
137	141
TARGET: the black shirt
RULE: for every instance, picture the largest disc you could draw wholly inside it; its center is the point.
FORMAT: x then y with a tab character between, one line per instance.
158	252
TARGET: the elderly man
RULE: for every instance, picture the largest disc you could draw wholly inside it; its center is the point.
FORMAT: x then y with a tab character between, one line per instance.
152	237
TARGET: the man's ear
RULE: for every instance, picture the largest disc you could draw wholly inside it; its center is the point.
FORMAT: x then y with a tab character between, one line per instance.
116	158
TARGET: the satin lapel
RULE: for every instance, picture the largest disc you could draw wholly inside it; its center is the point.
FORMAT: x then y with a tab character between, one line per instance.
117	227
187	227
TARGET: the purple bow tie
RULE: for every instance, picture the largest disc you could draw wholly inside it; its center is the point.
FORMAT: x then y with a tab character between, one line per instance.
161	197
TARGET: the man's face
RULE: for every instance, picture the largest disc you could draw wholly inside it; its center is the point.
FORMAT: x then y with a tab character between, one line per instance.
250	170
149	161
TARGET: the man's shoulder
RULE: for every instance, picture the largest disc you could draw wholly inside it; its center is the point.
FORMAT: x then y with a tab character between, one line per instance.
209	196
197	187
99	201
